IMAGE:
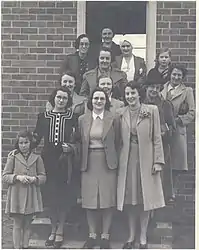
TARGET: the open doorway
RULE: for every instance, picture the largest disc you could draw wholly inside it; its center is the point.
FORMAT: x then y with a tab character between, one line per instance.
124	17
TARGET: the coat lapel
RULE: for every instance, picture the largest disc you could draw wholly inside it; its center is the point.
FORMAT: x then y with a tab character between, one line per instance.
20	158
165	90
108	120
143	109
31	159
137	64
92	79
115	76
126	117
178	91
87	122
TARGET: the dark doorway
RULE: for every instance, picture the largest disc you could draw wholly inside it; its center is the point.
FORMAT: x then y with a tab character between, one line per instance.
127	17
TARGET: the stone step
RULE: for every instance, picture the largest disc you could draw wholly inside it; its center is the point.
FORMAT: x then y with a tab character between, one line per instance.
69	244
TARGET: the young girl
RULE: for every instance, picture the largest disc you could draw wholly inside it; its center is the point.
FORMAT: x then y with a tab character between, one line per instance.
24	172
162	65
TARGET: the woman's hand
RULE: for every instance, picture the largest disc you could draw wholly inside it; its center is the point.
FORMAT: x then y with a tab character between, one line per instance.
66	148
23	179
32	179
156	168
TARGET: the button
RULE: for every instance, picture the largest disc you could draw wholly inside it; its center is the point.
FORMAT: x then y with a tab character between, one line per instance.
56	143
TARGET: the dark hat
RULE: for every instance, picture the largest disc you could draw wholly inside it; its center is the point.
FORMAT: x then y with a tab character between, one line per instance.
154	77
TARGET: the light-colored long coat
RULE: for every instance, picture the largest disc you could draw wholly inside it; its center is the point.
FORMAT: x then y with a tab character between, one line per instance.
150	152
110	138
179	138
24	198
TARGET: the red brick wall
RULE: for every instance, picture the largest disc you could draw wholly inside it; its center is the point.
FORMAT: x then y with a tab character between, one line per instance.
35	38
176	29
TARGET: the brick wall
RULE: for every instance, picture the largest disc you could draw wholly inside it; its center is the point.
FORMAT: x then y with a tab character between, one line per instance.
35	38
176	29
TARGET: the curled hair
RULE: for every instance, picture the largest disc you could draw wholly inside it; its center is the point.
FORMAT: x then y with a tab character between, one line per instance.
162	50
67	72
53	94
180	67
77	41
89	103
140	90
24	134
101	77
103	49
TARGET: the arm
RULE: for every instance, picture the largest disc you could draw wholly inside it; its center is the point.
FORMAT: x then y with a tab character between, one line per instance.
158	153
8	176
189	116
85	89
169	116
38	132
41	175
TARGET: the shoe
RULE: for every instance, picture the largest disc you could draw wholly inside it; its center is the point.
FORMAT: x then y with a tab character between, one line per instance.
58	243
129	245
105	244
90	243
49	242
143	246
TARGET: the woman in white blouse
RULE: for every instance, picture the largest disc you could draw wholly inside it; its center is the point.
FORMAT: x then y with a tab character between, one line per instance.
132	65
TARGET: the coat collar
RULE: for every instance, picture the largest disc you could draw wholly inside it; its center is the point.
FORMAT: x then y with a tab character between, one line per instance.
144	109
31	159
177	91
87	121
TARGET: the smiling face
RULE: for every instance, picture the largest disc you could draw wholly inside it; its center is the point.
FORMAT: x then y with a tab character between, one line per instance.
104	60
164	59
126	48
61	100
68	81
24	145
132	96
107	35
98	101
176	77
153	90
106	84
84	45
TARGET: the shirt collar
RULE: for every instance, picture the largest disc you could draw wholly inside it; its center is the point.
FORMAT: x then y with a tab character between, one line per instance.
94	115
171	87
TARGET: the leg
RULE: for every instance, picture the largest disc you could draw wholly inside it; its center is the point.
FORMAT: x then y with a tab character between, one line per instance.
54	219
92	215
17	231
26	230
132	217
106	221
61	221
144	219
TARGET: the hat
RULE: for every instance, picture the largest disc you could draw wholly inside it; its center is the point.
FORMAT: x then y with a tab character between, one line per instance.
154	77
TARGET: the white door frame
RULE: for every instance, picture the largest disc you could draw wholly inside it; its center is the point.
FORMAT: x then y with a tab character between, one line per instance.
151	11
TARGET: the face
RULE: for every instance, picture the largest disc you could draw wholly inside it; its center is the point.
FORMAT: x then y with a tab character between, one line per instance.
24	144
61	100
84	45
106	84
104	59
126	48
98	101
164	59
176	77
68	81
153	90
107	35
132	96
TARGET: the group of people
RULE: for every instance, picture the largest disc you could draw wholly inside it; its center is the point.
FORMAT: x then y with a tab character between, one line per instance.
113	135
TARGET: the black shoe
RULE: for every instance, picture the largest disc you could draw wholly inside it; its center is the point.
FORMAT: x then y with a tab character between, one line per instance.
90	243
58	243
129	245
49	242
143	246
105	244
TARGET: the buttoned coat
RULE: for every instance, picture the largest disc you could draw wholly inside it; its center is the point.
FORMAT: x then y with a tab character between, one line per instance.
90	81
179	138
150	152
110	138
23	198
140	68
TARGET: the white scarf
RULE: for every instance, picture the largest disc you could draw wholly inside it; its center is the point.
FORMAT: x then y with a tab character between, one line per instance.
128	68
